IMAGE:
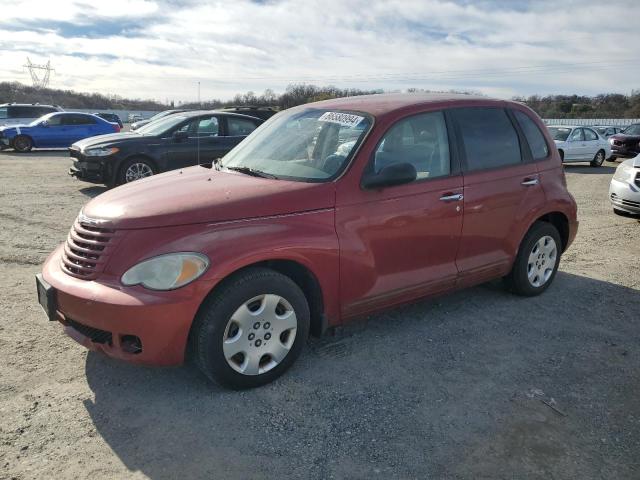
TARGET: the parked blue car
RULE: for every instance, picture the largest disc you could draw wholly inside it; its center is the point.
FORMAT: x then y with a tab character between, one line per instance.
55	130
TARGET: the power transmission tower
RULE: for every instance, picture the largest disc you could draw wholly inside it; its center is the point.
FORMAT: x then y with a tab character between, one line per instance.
39	81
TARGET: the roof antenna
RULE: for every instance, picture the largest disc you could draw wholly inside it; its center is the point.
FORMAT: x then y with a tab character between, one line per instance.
197	129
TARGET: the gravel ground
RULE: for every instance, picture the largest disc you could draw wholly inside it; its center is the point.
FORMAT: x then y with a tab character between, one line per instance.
477	384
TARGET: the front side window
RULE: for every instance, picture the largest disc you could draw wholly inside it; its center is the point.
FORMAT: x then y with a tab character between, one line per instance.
589	134
577	135
534	136
55	120
162	126
240	126
207	127
489	138
310	145
420	140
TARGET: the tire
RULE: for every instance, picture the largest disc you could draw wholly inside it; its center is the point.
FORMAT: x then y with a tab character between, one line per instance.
239	310
135	169
22	143
530	274
598	160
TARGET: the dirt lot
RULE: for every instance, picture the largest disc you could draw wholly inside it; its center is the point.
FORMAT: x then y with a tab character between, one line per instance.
448	388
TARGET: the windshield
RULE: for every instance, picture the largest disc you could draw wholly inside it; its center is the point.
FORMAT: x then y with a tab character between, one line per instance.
559	133
632	129
38	121
310	145
161	126
160	115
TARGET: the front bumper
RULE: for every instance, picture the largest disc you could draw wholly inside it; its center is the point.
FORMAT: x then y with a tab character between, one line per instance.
89	171
102	314
624	196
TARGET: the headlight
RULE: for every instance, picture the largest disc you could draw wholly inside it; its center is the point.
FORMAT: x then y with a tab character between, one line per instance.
100	152
167	272
625	173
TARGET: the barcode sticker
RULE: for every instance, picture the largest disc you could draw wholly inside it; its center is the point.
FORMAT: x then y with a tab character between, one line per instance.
344	119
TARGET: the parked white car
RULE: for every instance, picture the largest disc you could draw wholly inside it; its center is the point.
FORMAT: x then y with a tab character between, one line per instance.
580	144
624	190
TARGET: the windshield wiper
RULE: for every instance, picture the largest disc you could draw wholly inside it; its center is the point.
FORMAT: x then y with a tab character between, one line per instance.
252	171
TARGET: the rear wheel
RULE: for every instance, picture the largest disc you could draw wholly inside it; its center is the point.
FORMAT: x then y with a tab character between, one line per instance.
598	160
251	330
22	143
537	261
135	169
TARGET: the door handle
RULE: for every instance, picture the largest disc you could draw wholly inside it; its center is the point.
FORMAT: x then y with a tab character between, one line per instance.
456	197
528	182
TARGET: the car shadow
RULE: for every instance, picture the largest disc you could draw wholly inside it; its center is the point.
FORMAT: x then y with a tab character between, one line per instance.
444	377
94	190
588	169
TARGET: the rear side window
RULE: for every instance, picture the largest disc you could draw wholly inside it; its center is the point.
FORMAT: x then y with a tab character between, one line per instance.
240	126
23	112
489	138
420	140
534	136
74	119
590	134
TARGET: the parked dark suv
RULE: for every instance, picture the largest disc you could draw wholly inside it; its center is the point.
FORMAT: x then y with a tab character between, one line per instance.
330	211
626	144
177	141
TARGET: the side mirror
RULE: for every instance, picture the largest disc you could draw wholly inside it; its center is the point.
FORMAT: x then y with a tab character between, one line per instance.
180	135
394	174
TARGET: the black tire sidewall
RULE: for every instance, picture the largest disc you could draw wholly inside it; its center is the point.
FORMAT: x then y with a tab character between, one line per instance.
518	279
217	310
594	162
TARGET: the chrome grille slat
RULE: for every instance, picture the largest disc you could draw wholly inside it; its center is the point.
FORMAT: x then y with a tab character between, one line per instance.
87	249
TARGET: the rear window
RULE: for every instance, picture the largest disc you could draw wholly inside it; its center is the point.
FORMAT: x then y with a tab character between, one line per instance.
489	138
534	136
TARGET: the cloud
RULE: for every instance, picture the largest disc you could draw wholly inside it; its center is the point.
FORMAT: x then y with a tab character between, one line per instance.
161	49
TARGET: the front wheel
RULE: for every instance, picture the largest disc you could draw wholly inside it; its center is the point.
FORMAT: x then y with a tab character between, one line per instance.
22	144
251	330
598	160
537	261
135	169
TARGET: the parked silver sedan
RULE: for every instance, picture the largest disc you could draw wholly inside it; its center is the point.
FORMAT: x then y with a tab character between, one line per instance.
580	144
624	190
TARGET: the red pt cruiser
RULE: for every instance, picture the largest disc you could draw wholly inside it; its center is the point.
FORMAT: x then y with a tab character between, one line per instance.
328	211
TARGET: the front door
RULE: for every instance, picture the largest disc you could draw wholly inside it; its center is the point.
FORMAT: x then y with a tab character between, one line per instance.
399	243
500	190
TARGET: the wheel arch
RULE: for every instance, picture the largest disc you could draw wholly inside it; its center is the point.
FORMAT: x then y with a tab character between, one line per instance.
558	220
300	274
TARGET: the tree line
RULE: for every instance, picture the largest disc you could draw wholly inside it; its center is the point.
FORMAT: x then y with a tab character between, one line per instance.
606	105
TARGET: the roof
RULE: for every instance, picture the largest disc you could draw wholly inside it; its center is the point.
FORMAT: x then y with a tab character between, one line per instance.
380	104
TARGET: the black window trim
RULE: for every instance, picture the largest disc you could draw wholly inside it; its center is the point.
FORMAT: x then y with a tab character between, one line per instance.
523	137
454	159
463	153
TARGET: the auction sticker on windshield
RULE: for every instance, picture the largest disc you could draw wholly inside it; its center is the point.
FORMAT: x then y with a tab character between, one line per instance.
344	119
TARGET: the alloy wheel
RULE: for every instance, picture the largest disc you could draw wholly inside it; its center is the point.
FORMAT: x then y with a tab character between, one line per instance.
136	171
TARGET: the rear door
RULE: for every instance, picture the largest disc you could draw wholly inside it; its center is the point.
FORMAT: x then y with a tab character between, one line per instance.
500	189
592	142
236	130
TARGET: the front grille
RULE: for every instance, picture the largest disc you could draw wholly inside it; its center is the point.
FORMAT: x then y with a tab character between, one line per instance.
637	180
95	334
624	202
87	250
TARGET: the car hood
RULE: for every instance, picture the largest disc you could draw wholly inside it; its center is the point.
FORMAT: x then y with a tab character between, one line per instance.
632	162
623	137
202	195
107	140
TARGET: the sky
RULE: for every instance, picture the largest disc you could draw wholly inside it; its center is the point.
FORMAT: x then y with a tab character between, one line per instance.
161	49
